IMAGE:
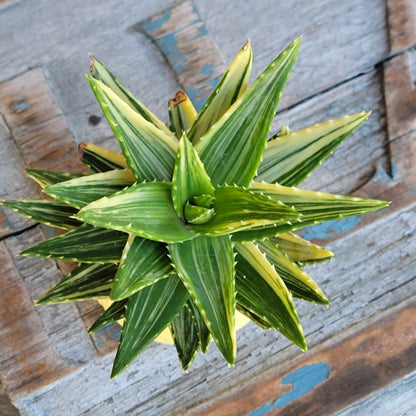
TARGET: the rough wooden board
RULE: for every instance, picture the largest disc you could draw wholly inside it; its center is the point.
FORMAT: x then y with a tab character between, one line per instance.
6	408
401	24
28	359
330	376
398	399
369	274
105	31
188	48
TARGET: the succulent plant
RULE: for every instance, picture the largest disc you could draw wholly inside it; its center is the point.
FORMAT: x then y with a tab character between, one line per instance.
193	222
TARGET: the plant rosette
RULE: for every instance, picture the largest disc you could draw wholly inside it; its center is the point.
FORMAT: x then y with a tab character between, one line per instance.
193	223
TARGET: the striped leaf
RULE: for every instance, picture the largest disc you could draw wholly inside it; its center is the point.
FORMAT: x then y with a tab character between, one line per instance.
239	209
149	151
156	219
189	177
148	313
299	250
101	73
288	159
261	290
99	159
185	336
113	313
232	86
45	211
231	149
206	266
81	191
84	244
203	331
47	177
87	281
252	316
315	207
299	283
182	113
143	263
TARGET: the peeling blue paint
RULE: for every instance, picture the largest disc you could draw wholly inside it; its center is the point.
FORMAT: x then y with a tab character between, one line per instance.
20	104
303	379
393	170
331	229
152	25
382	176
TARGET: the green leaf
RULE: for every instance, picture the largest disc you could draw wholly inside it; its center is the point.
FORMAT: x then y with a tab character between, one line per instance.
182	113
299	283
255	318
113	313
232	86
143	263
206	266
185	336
84	244
103	74
148	313
87	281
239	209
288	159
81	191
189	177
47	177
156	219
299	250
261	290
315	208
203	331
149	151
232	148
99	159
45	211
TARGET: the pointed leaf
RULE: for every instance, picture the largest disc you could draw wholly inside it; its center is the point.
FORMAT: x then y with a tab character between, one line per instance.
288	159
149	151
185	336
87	281
238	209
231	149
144	209
315	207
148	313
232	86
84	244
253	317
299	283
99	159
261	290
103	74
206	266
81	191
299	250
45	211
47	177
143	263
189	177
182	113
203	331
115	312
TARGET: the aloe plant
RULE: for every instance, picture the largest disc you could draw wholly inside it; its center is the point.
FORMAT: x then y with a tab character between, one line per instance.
192	223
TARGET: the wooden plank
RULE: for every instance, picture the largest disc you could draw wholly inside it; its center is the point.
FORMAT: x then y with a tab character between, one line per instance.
188	48
28	360
401	24
329	377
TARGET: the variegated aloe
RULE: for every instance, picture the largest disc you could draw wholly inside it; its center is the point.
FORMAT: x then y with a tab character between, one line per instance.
194	221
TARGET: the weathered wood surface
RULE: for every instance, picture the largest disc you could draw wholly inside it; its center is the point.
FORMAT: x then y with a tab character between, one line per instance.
339	71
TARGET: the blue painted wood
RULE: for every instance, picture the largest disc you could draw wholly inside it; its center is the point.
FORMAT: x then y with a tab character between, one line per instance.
189	49
304	379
